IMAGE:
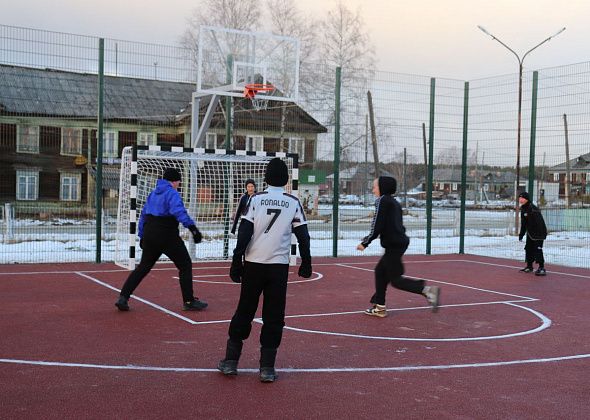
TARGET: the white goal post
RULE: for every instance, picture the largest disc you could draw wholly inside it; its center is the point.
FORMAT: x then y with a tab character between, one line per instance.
212	184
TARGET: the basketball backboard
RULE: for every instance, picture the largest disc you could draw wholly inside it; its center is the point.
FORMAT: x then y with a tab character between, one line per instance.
228	59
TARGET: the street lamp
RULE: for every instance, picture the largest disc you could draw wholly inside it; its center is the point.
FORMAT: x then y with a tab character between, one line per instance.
520	61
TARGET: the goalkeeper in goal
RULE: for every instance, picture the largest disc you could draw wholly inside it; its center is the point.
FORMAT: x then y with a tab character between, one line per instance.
158	234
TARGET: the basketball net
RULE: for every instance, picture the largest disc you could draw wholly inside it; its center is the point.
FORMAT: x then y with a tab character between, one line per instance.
252	89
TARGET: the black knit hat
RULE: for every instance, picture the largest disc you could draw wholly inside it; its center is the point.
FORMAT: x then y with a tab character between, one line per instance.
387	185
525	195
276	174
171	175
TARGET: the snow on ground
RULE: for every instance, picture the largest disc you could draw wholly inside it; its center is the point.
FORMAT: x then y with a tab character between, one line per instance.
562	248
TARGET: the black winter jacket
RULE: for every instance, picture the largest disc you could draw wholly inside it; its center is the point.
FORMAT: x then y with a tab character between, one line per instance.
387	224
532	223
241	207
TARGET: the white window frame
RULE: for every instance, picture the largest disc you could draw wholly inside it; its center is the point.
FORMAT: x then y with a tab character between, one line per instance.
454	186
78	136
145	138
556	176
62	187
112	136
27	176
31	131
254	143
211	141
297	145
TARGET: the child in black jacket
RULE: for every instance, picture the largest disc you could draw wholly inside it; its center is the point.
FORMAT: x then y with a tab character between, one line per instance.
250	191
387	224
533	225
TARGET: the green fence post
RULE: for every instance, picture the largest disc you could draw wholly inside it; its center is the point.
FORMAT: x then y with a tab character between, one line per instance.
464	169
99	141
531	190
336	163
430	169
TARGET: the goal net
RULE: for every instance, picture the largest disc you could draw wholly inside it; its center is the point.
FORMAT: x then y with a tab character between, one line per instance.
211	187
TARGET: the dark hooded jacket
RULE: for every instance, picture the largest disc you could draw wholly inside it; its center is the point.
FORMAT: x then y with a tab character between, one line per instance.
532	223
387	221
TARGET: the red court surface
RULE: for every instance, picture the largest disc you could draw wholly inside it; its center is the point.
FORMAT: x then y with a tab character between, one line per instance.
504	345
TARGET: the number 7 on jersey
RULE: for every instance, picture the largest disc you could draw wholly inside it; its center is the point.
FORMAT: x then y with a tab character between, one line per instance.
276	213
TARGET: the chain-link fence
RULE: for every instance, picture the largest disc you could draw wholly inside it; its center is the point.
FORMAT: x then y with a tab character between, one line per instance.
55	88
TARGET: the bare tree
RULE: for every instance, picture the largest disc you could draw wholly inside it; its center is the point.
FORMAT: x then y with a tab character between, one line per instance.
233	14
345	43
286	19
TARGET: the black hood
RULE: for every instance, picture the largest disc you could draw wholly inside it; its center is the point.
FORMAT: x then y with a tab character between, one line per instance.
387	185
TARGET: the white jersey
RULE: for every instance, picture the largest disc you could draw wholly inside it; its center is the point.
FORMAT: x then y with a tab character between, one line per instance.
274	214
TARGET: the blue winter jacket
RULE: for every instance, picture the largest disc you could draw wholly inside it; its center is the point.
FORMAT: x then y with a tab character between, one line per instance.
164	201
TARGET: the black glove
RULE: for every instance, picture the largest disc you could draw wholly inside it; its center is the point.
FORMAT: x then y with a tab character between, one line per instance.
197	237
237	269
141	243
305	269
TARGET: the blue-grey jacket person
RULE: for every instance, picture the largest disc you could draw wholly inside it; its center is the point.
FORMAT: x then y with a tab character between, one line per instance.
158	234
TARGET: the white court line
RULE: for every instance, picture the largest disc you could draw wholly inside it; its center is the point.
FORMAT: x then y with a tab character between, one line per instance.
545	323
451	284
319	276
302	370
317	315
147	302
122	270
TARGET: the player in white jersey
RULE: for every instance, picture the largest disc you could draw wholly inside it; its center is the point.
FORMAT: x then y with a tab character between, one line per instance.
261	263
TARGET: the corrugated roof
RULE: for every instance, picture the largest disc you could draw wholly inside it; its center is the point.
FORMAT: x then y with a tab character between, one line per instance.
43	92
581	163
58	93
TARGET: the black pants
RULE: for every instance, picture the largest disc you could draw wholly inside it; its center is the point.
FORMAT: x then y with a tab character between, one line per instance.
155	243
390	269
271	281
534	252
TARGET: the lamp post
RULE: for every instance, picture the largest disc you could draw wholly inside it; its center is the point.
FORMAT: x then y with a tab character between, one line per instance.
520	61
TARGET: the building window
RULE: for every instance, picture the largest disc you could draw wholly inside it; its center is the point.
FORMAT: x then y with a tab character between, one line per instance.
211	141
27	185
297	145
27	139
556	176
147	139
71	141
254	143
69	189
110	145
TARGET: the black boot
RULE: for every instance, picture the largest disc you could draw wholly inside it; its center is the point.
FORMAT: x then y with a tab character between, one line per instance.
267	365
229	365
122	303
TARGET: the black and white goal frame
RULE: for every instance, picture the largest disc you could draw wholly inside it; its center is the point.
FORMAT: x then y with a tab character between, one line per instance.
134	216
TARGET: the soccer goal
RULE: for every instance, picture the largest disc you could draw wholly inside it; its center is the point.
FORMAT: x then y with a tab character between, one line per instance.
212	184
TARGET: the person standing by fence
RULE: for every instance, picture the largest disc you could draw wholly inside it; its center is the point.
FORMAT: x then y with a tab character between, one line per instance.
533	226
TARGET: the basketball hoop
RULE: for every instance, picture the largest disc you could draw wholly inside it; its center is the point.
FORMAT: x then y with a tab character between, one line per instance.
252	89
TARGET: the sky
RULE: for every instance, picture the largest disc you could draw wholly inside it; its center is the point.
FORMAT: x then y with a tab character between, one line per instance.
426	37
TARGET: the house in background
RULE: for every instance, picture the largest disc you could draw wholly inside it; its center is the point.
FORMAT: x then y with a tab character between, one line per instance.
356	180
496	184
579	176
48	130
